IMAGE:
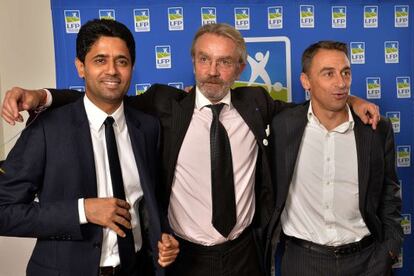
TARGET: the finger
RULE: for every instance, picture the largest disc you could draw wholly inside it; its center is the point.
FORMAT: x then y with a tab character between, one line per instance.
169	253
123	213
117	229
166	240
123	204
122	221
164	264
8	117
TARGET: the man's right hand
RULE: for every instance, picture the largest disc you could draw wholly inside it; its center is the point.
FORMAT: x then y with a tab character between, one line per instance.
108	212
18	99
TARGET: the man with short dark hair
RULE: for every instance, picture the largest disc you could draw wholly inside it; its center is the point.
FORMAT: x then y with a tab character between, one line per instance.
82	179
338	204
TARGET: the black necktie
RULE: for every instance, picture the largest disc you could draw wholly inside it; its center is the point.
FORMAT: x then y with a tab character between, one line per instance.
126	245
222	183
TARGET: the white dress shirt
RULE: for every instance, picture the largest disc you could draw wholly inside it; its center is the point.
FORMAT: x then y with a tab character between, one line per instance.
190	208
130	175
323	201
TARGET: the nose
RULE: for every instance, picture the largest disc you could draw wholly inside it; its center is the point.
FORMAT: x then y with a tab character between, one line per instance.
340	81
213	69
111	68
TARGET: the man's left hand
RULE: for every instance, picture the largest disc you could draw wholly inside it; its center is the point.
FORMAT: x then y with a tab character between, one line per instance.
366	111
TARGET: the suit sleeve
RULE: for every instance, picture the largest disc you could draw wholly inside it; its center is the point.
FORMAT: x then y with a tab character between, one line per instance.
390	208
21	213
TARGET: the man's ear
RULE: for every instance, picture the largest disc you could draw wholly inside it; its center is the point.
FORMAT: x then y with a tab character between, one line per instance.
80	66
304	79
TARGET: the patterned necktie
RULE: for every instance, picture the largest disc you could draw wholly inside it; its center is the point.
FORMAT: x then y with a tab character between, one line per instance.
126	245
222	183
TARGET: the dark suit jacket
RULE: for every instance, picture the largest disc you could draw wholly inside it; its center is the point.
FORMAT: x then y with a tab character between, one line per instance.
53	161
379	200
175	109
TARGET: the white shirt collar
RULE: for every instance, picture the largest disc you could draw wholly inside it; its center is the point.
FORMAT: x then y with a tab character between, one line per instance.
342	128
97	116
201	100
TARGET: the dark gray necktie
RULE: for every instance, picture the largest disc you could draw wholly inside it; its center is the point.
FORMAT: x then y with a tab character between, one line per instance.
222	182
125	245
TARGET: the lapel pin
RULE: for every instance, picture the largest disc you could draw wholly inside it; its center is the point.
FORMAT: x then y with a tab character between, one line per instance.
265	142
267	130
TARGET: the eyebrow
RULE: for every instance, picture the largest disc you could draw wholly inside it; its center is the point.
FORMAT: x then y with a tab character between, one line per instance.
220	57
106	56
332	68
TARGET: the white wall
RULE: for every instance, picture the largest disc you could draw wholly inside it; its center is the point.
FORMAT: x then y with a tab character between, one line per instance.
27	60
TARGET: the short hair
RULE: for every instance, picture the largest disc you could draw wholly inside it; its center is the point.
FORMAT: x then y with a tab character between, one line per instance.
222	29
94	29
313	49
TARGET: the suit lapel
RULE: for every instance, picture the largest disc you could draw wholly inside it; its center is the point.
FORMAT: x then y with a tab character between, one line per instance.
250	113
84	148
363	137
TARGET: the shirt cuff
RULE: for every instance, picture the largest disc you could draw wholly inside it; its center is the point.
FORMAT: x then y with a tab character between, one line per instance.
47	103
81	211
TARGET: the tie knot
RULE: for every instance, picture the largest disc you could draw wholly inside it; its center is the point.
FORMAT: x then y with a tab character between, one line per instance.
216	108
109	121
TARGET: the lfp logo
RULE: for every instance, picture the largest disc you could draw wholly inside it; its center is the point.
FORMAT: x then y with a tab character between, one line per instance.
357	52
107	14
406	223
141	88
175	19
403	156
269	66
242	18
401	16
403	87
163	56
370	16
79	88
373	88
394	117
275	17
208	15
391	51
338	17
72	21
307	16
142	20
178	85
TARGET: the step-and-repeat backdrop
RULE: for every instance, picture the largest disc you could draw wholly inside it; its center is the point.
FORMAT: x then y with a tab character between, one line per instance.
380	36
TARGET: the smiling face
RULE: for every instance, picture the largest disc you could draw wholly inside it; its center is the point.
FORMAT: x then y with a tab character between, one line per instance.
328	80
107	72
216	65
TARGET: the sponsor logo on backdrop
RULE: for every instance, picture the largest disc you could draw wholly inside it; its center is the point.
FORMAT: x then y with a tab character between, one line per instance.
79	88
107	14
268	66
394	117
242	18
208	15
142	20
370	16
406	223
338	17
401	16
175	19
275	17
403	87
178	85
373	88
403	156
163	56
141	88
357	52
307	16
72	21
391	51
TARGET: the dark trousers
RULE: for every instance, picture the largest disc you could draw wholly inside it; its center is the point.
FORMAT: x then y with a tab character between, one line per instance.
373	260
234	258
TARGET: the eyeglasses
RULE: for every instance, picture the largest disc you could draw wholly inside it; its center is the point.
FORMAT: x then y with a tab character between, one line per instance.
220	63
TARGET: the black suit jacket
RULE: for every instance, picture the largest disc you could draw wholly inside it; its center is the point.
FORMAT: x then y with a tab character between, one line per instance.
379	199
53	160
175	108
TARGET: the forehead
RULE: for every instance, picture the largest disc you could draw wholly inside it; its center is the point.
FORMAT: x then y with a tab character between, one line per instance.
329	58
213	44
109	45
